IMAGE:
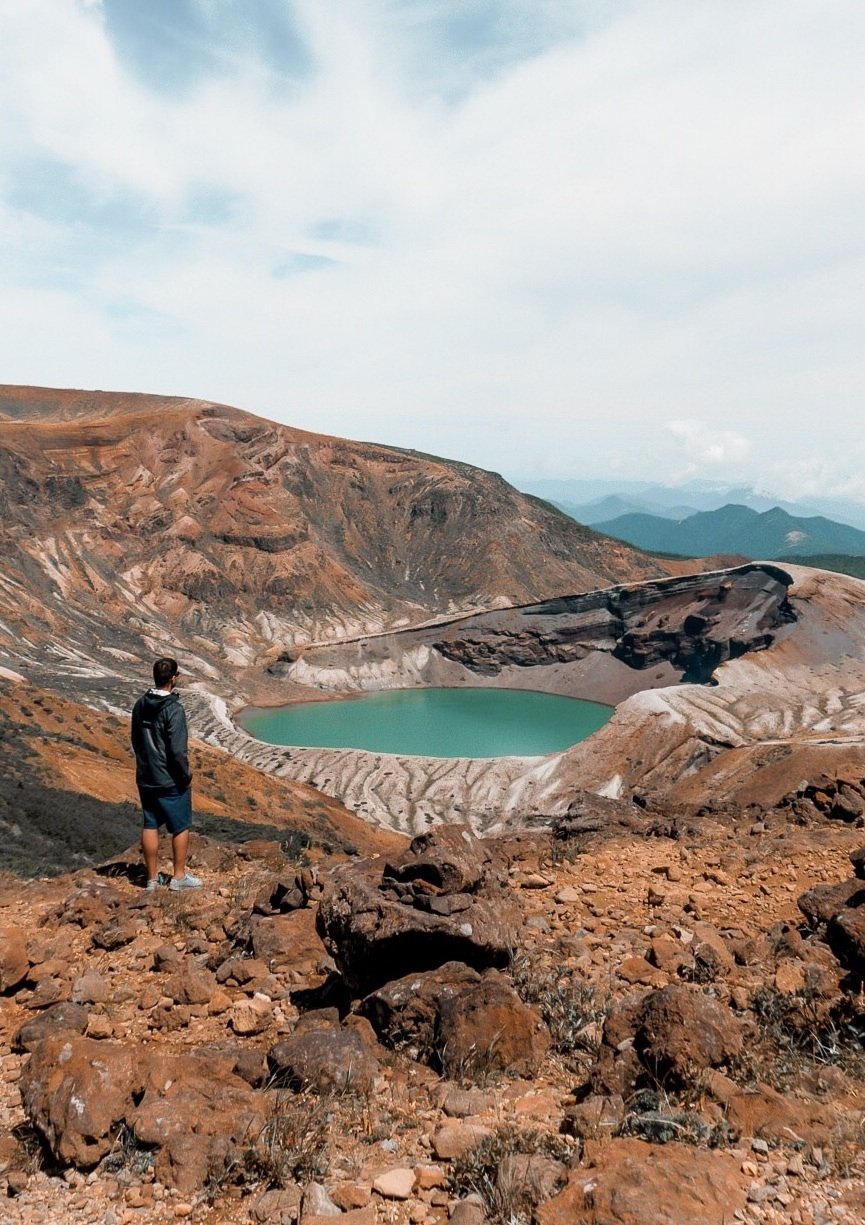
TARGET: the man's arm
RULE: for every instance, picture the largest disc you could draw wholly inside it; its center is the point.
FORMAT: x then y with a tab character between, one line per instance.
176	743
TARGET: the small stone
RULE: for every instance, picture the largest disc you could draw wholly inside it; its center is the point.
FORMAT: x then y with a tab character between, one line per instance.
350	1195
461	1103
427	1177
790	976
468	1211
317	1202
568	895
220	1002
16	1182
395	1184
454	1139
99	1026
90	988
534	880
280	1205
251	1016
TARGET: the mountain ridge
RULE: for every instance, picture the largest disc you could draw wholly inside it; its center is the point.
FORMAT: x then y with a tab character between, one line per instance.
579	497
735	528
134	523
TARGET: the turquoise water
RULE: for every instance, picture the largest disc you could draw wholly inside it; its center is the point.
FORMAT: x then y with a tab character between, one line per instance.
434	723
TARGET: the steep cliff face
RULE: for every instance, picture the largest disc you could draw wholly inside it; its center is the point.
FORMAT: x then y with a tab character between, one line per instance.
602	644
130	520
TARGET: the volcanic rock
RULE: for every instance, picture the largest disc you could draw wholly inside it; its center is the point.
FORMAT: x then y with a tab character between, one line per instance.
451	859
47	991
90	988
274	940
454	1140
681	1031
14	962
376	936
62	1017
628	1182
77	1092
820	904
845	935
487	1027
200	1117
329	1060
191	985
671	1033
405	1012
774	1116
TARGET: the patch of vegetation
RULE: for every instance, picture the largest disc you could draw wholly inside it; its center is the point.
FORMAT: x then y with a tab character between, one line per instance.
840	563
295	1143
294	842
800	1032
572	1009
507	1200
46	830
653	1116
128	1153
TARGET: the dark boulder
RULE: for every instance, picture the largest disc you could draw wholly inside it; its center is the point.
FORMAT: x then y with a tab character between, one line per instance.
487	1028
329	1060
379	929
405	1012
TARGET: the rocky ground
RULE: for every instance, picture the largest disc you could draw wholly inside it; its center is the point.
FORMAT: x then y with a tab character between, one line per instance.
635	1016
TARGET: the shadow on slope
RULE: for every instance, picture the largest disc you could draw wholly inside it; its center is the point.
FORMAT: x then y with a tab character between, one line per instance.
68	798
47	830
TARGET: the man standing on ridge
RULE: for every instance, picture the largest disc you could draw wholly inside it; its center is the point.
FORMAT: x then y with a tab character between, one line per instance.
159	740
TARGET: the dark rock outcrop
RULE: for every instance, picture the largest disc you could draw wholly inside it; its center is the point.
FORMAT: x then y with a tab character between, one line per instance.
487	1028
688	625
405	1013
667	1034
379	927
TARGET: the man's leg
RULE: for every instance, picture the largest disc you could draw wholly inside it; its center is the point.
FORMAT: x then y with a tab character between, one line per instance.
179	848
150	851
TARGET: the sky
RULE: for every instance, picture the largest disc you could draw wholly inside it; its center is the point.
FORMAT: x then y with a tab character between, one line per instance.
554	238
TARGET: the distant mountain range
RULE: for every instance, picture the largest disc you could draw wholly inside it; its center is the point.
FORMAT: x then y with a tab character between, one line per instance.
597	501
737	529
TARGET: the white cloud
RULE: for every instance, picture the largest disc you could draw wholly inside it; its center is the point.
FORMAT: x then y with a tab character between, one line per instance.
523	257
705	445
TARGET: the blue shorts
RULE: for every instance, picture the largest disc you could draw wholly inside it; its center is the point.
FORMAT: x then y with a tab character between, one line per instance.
173	809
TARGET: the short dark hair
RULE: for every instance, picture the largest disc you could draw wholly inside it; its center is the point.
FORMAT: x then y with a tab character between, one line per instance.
163	670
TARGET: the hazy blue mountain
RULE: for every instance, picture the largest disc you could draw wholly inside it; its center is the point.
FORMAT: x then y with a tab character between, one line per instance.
648	497
601	509
738	529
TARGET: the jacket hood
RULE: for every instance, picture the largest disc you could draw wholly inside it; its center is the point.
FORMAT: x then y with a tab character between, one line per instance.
152	701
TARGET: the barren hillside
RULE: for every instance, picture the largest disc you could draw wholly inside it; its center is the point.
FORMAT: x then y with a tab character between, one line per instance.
134	522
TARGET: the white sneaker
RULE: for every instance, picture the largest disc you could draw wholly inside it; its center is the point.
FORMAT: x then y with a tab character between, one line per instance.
153	884
187	881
